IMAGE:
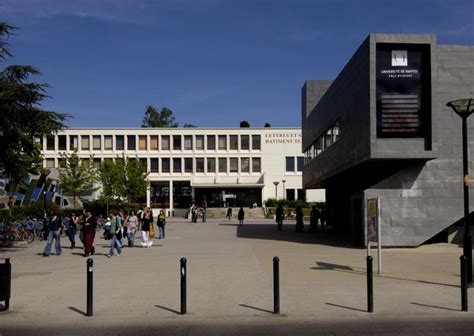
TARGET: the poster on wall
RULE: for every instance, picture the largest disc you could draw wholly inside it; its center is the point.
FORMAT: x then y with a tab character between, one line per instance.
403	90
372	218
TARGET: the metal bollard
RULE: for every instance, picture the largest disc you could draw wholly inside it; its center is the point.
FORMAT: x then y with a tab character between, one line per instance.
90	270
5	283
464	305
370	286
276	285
183	285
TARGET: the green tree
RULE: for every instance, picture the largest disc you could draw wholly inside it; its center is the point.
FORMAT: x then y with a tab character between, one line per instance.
163	118
136	180
244	123
111	178
189	126
77	175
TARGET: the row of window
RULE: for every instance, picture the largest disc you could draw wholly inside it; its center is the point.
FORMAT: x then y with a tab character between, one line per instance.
154	142
192	165
330	136
290	164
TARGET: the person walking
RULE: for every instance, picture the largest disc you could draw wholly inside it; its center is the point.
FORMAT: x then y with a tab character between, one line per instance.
116	233
241	216
55	226
229	214
72	229
299	227
161	223
279	216
132	225
147	221
89	227
314	219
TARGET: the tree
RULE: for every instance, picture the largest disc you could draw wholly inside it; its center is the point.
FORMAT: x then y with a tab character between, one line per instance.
111	177
153	118
267	125
22	121
189	126
136	180
77	175
244	123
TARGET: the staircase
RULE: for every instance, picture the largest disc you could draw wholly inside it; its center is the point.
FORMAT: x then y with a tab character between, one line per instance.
220	213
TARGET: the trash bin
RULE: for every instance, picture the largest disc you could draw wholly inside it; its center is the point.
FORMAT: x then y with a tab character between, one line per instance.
5	282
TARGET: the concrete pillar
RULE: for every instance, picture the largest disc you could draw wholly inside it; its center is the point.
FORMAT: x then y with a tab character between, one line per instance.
171	198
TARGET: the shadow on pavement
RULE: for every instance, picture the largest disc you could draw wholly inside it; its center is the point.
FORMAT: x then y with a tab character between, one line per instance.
74	309
345	307
168	309
431	306
256	308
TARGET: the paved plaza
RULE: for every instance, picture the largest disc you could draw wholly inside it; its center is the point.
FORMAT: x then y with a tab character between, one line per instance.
323	286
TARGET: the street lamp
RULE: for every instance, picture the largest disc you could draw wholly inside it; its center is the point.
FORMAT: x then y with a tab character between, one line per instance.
276	190
284	189
464	108
44	203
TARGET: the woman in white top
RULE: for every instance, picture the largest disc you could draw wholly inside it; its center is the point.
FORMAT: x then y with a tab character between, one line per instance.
132	225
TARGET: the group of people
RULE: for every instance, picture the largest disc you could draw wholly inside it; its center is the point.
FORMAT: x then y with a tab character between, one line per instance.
240	215
315	217
118	226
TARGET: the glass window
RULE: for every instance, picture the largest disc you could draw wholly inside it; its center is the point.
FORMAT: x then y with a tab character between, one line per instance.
177	165
256	143
222	142
62	142
131	142
222	165
290	164
234	165
199	142
188	165
244	142
335	131
50	142
85	142
256	165
188	142
165	142
119	142
211	142
154	165
154	142
300	163
165	165
328	139
96	142
49	163
176	142
245	165
301	194
199	165
73	142
107	142
211	165
142	142
234	142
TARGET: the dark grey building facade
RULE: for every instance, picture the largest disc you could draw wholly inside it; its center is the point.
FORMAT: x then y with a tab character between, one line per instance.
382	129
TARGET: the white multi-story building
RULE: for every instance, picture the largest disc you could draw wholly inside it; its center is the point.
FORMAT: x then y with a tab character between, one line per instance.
222	166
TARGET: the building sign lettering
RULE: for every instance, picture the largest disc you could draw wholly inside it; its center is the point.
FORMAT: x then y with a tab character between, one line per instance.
283	138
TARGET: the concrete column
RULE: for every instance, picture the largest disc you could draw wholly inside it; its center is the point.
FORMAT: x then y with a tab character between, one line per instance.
171	198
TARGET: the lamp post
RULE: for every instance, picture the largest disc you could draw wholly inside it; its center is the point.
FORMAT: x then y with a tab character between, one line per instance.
44	203
464	108
276	190
284	189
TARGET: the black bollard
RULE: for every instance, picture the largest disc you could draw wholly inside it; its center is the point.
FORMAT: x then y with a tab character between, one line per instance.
90	270
464	272
5	283
370	286
183	285
276	285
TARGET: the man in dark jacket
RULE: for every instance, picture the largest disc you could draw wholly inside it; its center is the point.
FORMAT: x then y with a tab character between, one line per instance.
280	215
55	226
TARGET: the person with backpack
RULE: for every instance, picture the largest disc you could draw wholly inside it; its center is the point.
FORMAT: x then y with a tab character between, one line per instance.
161	223
116	232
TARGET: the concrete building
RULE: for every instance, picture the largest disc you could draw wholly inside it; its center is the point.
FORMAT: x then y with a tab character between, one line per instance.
222	166
382	129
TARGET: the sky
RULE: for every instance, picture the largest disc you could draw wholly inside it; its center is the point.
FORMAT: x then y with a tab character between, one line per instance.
212	62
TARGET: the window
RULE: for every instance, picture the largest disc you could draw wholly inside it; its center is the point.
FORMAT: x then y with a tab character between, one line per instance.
62	142
199	165
234	165
222	165
154	165
222	139
50	142
131	142
73	142
211	165
142	142
188	165
85	145
290	194
256	165
244	165
290	164
119	142
107	142
256	143
234	142
328	139
165	142
301	194
165	165
96	142
211	142
300	163
176	142
244	142
188	142
49	163
199	142
154	142
177	165
324	141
